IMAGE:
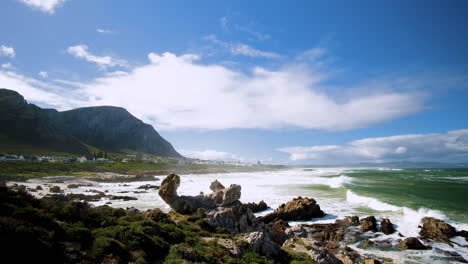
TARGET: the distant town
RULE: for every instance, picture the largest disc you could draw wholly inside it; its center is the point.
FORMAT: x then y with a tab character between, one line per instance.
103	157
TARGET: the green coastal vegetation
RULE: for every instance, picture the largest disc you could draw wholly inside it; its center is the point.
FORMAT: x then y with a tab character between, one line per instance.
26	170
57	230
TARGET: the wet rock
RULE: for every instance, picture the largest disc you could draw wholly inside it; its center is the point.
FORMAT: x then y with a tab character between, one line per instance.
216	186
369	224
412	243
54	189
347	222
437	230
386	226
326	232
257	207
349	256
463	233
38	187
295	210
72	186
322	255
125	198
148	186
84	197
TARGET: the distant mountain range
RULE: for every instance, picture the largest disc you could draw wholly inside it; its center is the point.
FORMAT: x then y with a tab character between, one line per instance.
400	164
29	129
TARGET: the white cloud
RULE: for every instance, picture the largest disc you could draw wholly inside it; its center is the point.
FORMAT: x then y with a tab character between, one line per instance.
257	35
43	74
104	31
223	21
208	155
177	92
242	49
47	6
450	146
7	51
8	66
81	51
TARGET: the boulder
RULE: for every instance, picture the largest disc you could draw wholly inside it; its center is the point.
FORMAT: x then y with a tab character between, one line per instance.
295	210
437	230
322	255
261	242
257	207
216	186
235	219
371	261
386	226
369	224
412	243
296	231
347	222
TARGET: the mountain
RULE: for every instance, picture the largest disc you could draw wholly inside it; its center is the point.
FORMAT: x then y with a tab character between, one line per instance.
108	128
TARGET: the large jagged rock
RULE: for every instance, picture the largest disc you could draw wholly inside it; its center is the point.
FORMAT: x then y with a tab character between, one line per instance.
369	224
295	210
347	222
257	207
386	226
262	243
216	186
189	204
412	243
437	230
322	255
234	218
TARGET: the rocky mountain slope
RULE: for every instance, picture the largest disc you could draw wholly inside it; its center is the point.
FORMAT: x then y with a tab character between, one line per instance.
108	128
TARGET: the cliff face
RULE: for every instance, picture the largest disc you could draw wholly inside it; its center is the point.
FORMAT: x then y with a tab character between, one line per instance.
114	129
28	125
109	128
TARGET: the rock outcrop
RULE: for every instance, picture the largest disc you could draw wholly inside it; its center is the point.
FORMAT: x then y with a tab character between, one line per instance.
412	243
189	204
369	224
436	230
295	210
386	226
257	207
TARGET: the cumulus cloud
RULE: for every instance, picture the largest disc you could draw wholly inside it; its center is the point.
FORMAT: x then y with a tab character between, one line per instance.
7	51
445	147
180	92
81	52
47	6
242	49
208	154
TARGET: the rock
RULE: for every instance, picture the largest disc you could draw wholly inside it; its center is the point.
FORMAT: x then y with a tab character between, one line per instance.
371	261
412	243
235	219
216	186
295	210
386	226
278	227
463	233
368	224
296	231
158	216
326	232
54	189
260	242
279	224
125	198
132	211
148	186
72	186
189	204
349	256
322	255
437	230
347	222
38	187
257	207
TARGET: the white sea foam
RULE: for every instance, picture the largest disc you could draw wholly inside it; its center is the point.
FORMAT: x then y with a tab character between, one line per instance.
370	202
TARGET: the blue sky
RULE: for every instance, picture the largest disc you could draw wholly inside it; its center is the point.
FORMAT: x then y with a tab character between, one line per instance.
309	82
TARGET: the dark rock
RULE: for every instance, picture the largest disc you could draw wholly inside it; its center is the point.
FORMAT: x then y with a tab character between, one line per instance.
463	233
279	225
125	198
54	189
148	186
256	207
369	224
326	232
437	230
295	210
84	197
278	228
347	222
322	255
38	187
386	226
412	243
296	231
349	256
72	186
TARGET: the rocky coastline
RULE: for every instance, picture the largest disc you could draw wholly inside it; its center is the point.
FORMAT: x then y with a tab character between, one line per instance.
206	228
